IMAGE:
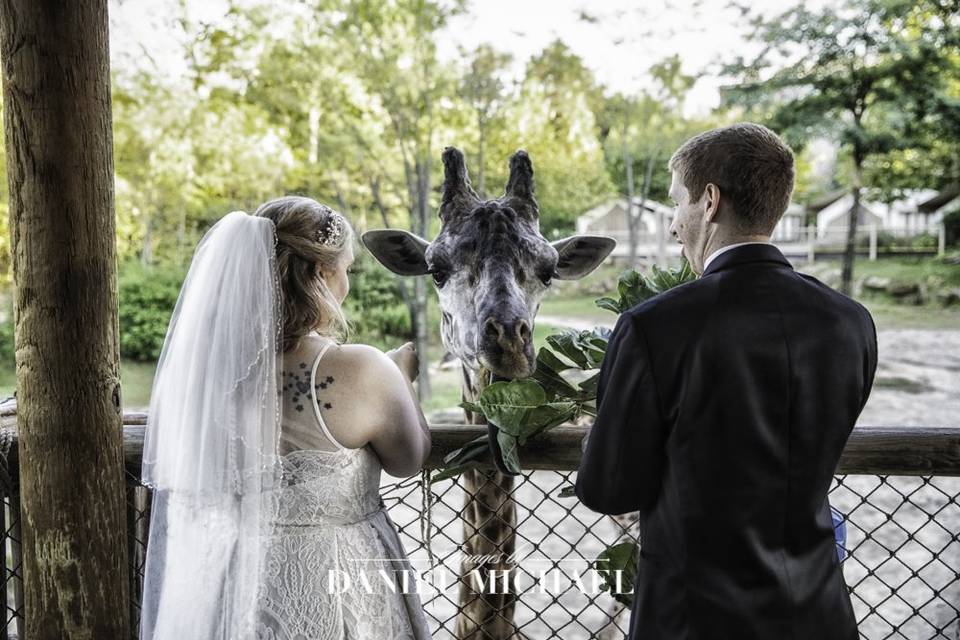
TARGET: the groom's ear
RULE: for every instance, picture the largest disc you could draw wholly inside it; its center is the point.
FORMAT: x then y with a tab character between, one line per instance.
399	251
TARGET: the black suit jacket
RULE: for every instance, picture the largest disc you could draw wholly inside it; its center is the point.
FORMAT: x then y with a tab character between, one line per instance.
723	407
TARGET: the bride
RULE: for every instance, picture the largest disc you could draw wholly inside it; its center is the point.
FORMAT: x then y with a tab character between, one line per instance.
265	441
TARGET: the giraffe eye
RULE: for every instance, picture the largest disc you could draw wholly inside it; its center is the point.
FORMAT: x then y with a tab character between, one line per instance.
546	277
439	277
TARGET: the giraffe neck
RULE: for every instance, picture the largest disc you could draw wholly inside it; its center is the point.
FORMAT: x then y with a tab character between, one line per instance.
474	381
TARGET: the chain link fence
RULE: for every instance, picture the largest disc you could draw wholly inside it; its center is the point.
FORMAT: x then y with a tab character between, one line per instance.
902	553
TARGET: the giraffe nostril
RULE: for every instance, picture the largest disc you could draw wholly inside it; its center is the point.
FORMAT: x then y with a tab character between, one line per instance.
493	328
523	330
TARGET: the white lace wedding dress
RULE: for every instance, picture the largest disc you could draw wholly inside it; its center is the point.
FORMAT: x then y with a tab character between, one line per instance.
331	517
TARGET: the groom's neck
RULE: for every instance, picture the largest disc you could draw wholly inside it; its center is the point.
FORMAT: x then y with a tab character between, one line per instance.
721	240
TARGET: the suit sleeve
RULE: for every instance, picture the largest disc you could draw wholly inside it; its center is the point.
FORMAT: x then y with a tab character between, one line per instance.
870	361
621	465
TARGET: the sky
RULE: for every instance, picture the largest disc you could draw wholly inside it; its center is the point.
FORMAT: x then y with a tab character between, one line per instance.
618	39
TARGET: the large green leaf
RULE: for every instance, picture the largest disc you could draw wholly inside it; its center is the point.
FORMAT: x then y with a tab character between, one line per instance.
609	304
567	344
451	471
509	447
589	386
621	557
470	451
584	348
546	416
569	491
633	287
546	358
555	385
471	407
507	404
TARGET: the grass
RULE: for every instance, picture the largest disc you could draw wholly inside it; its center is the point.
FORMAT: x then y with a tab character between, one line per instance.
136	379
906	268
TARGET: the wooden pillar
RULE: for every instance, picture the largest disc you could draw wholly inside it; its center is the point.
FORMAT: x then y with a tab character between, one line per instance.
57	122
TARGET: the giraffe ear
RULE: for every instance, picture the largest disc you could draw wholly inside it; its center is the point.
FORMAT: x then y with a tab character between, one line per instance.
579	255
399	251
519	192
458	194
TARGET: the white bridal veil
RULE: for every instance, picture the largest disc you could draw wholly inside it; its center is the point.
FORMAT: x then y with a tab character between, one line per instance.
210	452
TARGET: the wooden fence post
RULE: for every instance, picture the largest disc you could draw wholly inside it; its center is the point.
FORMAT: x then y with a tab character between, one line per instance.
57	123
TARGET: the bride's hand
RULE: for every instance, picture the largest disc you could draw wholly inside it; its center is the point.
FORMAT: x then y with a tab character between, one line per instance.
406	358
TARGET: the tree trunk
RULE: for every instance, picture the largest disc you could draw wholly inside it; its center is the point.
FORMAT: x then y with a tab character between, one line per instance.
57	121
644	193
482	174
849	251
631	222
489	530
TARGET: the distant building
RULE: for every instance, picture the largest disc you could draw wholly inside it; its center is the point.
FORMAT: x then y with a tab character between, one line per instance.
791	225
610	218
916	212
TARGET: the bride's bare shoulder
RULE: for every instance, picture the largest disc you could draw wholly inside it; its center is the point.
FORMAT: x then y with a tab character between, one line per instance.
360	366
360	355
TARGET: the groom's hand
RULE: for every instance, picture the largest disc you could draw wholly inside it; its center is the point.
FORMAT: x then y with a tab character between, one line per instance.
406	358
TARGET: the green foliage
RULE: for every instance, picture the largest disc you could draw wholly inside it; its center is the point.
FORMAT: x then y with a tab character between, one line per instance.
7	354
633	287
623	557
147	298
523	408
374	306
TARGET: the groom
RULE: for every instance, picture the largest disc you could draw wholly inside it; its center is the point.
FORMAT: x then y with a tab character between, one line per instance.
723	407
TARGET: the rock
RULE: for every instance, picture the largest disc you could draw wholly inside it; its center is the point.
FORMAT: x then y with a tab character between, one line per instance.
902	288
948	297
876	283
905	292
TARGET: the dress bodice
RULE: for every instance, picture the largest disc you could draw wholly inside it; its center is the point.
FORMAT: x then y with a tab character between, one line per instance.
329	520
329	487
323	481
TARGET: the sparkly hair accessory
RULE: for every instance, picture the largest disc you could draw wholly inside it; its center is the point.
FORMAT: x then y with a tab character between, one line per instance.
332	231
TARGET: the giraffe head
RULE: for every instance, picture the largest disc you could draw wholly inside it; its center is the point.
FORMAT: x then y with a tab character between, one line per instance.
490	265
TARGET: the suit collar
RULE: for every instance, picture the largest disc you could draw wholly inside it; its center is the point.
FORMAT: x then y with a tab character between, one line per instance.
763	252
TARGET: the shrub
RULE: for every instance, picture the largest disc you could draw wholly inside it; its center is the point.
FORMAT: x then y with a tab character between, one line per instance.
374	306
147	297
7	357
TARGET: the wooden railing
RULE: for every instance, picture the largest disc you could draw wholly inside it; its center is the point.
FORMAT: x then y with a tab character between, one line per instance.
899	450
929	454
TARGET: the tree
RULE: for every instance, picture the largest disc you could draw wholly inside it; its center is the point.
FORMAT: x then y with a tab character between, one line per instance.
484	91
850	72
553	117
69	415
646	128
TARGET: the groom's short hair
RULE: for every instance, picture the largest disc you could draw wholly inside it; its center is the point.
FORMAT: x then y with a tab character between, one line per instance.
751	165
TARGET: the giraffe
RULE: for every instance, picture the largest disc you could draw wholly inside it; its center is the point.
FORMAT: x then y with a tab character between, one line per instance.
491	268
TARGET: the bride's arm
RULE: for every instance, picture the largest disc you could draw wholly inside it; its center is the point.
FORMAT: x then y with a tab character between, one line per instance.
397	428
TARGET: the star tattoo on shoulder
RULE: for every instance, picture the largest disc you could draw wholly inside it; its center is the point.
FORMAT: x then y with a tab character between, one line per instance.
323	384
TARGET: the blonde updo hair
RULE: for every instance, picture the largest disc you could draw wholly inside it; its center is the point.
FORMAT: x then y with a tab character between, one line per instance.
303	245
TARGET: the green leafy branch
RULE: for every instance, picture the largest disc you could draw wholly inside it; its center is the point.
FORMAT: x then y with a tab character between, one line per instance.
523	408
